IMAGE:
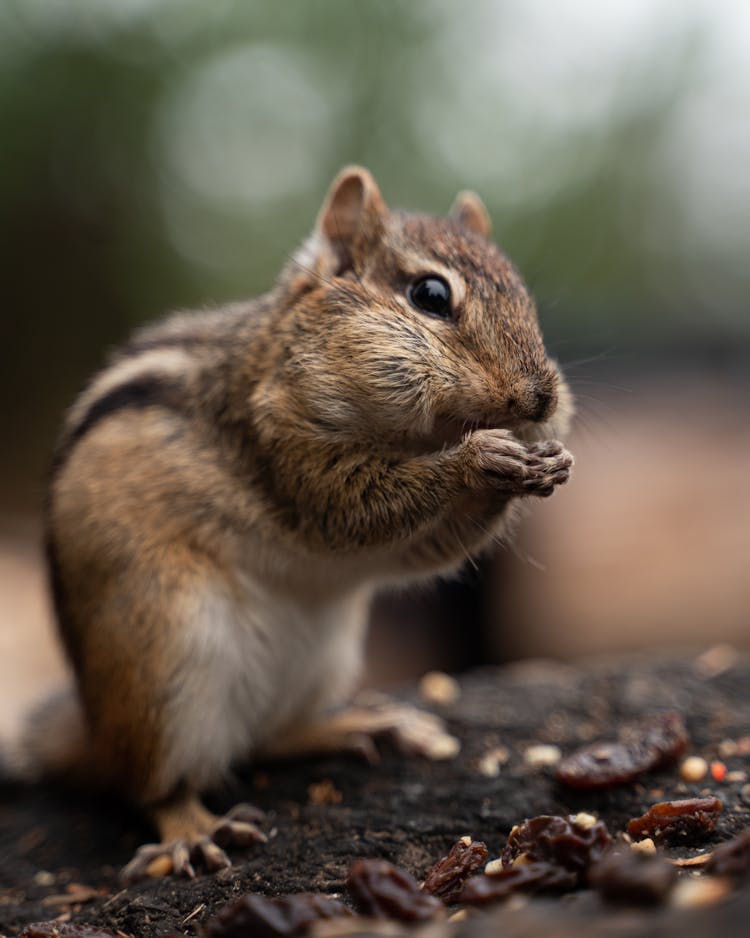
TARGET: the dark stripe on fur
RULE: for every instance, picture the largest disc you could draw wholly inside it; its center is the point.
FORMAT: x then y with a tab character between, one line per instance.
132	395
136	394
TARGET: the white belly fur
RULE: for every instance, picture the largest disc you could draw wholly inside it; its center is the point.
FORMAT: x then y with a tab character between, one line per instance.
255	664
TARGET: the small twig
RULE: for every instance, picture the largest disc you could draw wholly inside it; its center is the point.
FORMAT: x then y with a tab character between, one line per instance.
201	907
114	898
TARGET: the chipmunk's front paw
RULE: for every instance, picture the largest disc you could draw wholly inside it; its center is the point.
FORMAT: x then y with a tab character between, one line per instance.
517	468
550	464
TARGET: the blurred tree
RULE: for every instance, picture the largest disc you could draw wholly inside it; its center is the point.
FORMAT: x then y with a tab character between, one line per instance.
158	154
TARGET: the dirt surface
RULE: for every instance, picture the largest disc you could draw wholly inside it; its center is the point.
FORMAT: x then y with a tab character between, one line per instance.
406	810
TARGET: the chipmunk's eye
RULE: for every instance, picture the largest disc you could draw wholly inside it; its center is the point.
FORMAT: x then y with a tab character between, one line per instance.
431	294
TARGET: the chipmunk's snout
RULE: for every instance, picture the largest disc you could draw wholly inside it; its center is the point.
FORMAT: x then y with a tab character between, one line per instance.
535	398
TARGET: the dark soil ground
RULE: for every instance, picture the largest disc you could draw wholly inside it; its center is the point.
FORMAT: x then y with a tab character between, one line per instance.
406	810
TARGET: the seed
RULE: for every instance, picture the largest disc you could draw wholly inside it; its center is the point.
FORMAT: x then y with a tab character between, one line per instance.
718	771
727	748
160	866
696	893
693	769
584	820
439	688
542	755
646	846
490	762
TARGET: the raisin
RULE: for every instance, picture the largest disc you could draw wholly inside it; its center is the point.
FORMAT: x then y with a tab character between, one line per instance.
649	744
264	917
383	890
446	878
662	736
732	858
566	842
526	877
632	878
600	765
677	822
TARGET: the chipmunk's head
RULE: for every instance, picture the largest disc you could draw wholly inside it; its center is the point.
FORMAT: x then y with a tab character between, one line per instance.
414	328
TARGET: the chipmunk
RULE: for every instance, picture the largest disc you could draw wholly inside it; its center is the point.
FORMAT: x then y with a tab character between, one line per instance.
230	491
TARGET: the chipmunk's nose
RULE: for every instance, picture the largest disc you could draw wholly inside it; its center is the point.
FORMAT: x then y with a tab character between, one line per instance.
535	398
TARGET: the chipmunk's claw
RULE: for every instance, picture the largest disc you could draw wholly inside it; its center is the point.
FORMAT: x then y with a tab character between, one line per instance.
208	854
239	827
203	851
157	860
355	729
417	732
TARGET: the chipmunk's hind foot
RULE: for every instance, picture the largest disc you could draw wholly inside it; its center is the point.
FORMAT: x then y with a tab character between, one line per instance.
193	837
354	729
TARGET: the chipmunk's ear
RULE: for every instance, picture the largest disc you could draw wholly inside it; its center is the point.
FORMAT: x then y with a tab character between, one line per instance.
469	210
353	214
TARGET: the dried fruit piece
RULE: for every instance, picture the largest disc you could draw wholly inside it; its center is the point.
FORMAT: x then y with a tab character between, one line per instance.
64	930
600	765
677	822
526	877
663	736
732	858
383	890
649	744
561	841
632	878
447	877
264	917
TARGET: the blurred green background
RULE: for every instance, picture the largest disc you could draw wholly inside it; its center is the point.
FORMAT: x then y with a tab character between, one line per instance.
158	154
170	153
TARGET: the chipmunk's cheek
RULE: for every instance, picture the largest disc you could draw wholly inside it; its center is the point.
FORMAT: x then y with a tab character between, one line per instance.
563	415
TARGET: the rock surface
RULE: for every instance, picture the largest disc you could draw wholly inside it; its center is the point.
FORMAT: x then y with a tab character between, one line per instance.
60	850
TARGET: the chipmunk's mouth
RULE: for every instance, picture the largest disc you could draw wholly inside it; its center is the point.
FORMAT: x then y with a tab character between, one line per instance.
448	431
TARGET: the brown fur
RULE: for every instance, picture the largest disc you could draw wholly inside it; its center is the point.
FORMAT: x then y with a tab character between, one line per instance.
315	443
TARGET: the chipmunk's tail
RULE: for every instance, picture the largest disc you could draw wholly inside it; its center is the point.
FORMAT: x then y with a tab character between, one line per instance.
52	742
